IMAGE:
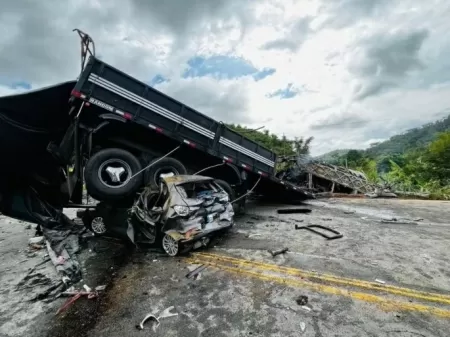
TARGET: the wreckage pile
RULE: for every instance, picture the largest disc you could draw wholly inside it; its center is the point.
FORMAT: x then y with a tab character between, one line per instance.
326	180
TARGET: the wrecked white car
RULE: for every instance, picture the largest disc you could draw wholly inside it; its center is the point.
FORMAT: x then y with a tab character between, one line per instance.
181	215
184	213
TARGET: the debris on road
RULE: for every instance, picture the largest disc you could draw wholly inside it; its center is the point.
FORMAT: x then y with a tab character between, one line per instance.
34	246
399	222
328	237
294	210
380	281
306	308
75	296
193	274
278	252
252	235
349	212
302	300
59	233
327	219
165	314
100	288
330	181
151	317
303	326
36	240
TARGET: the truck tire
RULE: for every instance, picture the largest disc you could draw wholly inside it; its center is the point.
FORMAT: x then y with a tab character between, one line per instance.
227	187
106	184
164	166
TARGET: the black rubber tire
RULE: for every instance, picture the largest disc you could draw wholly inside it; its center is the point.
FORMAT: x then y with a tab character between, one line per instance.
102	192
227	187
151	175
87	221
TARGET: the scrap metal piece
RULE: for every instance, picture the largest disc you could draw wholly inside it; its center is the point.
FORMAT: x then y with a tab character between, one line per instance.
278	252
399	222
293	210
196	271
166	313
152	317
311	228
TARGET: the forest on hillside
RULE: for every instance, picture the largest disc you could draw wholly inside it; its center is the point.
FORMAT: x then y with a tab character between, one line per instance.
411	139
415	161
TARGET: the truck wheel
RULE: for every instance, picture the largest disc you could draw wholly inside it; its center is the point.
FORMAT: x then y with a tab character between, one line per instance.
108	174
166	166
227	187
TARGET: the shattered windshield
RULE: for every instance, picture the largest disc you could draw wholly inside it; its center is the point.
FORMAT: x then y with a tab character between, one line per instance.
197	190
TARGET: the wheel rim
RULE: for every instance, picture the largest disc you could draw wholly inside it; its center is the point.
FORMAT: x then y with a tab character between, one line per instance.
98	225
170	245
164	172
114	173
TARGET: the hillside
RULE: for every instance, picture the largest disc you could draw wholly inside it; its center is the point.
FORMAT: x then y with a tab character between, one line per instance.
332	155
412	139
396	145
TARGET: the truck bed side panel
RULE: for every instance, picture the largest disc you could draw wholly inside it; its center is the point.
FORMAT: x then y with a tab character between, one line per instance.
116	91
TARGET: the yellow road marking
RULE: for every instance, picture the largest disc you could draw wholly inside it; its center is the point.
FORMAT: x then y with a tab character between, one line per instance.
422	295
383	303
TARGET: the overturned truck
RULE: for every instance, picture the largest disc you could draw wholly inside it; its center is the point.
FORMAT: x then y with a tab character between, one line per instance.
115	135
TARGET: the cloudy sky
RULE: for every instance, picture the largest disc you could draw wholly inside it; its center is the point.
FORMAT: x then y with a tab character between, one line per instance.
348	72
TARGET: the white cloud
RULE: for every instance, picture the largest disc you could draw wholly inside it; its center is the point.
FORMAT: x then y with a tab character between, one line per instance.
357	77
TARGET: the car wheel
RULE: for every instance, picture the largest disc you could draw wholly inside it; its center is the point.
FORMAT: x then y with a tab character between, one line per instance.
170	245
163	167
98	226
108	175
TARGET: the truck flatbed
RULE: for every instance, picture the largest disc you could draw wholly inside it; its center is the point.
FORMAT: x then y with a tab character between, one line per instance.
112	90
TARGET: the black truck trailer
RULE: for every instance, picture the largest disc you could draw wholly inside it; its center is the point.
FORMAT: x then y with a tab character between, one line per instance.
114	134
128	114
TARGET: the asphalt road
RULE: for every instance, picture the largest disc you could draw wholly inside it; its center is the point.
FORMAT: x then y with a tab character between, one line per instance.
380	279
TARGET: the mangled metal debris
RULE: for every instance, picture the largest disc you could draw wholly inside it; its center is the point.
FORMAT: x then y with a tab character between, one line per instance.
336	235
185	212
326	180
151	317
278	252
195	272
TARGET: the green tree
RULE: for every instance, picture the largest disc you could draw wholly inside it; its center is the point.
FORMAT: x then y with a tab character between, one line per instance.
302	146
438	155
354	158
